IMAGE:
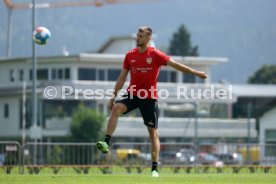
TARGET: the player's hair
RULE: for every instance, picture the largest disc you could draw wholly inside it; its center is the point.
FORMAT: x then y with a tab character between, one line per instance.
145	29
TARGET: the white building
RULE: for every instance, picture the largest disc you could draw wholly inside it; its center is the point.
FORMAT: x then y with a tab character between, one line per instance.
268	135
91	71
268	127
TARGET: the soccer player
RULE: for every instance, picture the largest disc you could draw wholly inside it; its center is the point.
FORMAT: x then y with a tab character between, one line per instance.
143	63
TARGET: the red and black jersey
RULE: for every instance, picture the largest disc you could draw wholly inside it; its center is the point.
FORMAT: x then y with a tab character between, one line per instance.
144	70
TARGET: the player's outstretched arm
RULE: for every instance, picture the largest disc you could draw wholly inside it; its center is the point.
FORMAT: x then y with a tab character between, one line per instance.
183	68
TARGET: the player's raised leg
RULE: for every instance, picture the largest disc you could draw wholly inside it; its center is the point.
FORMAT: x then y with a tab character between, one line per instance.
117	110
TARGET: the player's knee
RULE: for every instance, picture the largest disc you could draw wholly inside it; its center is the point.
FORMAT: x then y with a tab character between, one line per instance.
153	133
117	109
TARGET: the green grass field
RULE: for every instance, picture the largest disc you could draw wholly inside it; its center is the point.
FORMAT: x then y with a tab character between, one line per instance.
68	175
140	179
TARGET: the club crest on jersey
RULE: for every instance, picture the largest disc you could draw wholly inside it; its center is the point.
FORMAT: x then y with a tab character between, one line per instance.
149	60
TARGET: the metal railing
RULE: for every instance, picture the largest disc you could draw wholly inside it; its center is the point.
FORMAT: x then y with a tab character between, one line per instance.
33	157
10	155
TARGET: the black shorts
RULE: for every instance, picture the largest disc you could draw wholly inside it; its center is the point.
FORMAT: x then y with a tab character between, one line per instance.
147	107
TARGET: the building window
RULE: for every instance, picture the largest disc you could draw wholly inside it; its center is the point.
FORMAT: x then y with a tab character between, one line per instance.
62	108
53	73
28	113
42	74
163	76
67	73
60	73
6	111
270	135
31	74
218	110
12	75
270	140
188	78
199	80
87	74
21	74
167	76
101	74
113	74
172	76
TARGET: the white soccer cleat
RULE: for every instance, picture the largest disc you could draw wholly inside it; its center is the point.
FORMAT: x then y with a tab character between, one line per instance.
154	173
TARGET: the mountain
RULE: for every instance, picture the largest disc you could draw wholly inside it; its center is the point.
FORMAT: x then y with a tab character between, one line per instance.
242	30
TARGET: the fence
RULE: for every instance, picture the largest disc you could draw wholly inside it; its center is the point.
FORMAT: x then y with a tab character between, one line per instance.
10	155
135	157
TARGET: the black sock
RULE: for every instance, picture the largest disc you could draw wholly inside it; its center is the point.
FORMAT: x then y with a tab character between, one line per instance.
107	138
154	166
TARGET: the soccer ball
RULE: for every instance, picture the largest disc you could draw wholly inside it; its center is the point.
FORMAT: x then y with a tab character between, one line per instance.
41	35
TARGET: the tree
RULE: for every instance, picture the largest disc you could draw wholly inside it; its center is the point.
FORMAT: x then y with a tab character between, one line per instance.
87	125
265	75
180	43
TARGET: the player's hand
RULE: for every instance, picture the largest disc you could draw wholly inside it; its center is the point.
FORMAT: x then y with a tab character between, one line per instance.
201	74
111	103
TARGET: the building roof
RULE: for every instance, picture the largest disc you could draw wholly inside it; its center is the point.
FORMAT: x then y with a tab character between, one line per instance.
40	59
185	60
113	40
254	90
